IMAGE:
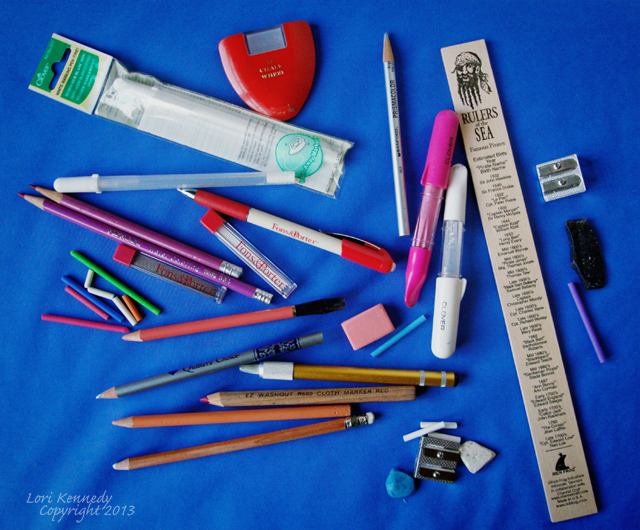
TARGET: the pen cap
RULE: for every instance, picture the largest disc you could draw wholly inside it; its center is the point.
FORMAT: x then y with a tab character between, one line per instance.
443	140
456	199
446	315
77	184
281	177
212	221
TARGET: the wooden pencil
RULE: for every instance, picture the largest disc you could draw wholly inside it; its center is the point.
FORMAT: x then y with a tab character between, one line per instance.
319	307
235	416
310	396
248	442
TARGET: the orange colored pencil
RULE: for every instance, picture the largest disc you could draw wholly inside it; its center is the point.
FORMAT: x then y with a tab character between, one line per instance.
235	416
248	442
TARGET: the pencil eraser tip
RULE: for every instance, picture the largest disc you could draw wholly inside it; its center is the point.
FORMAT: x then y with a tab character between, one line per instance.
367	327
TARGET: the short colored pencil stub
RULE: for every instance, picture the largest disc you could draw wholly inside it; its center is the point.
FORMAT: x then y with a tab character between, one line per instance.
84	323
86	303
114	281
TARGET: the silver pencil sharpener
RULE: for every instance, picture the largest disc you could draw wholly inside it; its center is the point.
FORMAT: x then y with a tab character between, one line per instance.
560	178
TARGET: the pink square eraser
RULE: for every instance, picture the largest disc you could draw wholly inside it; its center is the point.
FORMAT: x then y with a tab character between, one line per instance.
367	327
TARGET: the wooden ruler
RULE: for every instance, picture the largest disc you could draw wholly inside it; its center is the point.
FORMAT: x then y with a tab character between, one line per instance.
523	297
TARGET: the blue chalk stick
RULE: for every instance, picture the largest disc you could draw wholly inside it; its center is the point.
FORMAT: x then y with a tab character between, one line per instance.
399	335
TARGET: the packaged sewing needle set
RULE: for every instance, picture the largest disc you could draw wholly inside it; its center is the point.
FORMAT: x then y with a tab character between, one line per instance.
96	83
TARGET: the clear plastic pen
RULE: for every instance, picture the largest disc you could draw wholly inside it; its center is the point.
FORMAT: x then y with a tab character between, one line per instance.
450	286
98	184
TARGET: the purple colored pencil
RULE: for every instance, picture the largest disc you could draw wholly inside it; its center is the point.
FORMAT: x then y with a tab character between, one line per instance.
586	321
143	233
149	249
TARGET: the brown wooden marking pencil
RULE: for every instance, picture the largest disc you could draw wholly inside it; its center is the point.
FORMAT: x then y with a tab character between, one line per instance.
310	396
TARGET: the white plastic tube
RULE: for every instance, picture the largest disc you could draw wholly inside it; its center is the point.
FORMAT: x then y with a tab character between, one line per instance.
98	184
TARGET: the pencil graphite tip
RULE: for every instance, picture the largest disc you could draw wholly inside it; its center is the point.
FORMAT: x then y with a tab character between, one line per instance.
36	201
108	394
124	422
49	194
124	465
187	192
320	307
213	399
132	337
387	52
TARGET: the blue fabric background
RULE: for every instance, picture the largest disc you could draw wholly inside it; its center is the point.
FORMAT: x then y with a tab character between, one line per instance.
568	79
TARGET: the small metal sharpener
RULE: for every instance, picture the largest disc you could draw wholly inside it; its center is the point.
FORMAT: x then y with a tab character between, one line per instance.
437	460
560	178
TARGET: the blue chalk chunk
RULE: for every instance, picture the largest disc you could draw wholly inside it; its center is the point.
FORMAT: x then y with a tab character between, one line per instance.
399	484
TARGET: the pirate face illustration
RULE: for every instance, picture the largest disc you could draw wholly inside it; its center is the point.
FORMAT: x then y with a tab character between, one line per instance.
468	70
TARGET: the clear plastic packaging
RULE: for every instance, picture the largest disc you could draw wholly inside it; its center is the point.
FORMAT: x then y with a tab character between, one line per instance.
248	253
96	83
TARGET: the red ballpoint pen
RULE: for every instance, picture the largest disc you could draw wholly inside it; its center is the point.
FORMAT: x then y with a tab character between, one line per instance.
360	252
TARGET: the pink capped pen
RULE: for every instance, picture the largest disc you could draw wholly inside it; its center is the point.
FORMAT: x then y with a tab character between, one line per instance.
435	180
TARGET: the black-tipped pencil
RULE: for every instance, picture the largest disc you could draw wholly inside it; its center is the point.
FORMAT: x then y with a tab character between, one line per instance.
319	307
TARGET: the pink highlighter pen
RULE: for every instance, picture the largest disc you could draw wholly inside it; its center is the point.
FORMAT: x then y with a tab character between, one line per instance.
435	180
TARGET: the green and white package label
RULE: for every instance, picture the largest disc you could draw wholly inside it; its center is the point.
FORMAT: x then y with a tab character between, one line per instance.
71	73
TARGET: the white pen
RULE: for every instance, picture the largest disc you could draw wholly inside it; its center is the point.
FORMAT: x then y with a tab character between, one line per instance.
450	286
391	86
98	184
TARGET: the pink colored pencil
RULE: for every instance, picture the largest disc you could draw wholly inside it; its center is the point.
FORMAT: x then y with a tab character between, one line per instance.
86	303
84	323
